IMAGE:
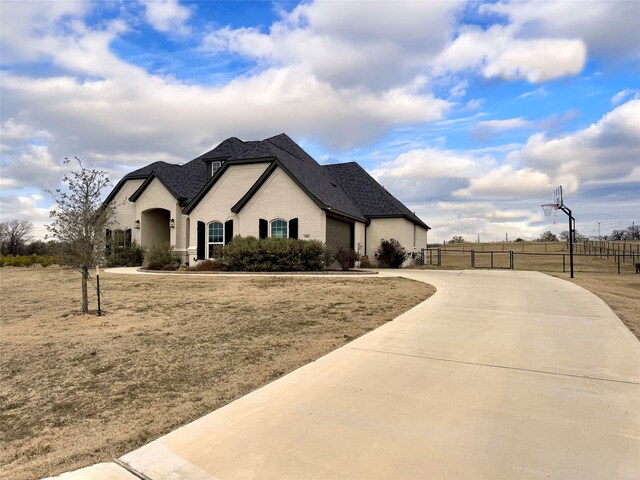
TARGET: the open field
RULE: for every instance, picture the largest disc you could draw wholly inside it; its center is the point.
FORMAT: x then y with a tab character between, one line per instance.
539	256
76	390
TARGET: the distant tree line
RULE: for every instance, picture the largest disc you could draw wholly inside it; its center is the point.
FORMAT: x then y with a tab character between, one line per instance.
16	239
632	232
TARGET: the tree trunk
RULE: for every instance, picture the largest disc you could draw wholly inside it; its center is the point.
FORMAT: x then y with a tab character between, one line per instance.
85	296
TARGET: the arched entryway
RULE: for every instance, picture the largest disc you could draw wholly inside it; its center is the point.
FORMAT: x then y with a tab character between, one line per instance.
154	227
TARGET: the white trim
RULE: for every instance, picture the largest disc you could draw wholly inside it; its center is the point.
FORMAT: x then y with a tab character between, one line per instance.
209	242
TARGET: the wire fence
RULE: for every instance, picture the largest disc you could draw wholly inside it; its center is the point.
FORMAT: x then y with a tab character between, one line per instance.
547	257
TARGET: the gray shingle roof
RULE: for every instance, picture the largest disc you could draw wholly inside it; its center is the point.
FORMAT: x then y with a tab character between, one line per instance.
372	199
343	188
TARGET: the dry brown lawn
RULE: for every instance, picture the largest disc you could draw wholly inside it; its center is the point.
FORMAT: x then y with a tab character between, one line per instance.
620	292
76	390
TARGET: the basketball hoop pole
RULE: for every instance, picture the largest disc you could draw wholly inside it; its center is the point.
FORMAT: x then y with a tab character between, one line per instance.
572	229
559	205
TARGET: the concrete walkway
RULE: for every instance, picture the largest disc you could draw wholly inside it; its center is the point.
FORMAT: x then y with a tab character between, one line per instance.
500	375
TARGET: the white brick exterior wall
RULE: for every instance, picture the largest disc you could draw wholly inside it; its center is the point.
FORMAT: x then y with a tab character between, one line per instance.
410	236
125	211
217	203
280	197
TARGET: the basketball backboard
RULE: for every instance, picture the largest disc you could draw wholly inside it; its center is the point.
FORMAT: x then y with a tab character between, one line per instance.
557	196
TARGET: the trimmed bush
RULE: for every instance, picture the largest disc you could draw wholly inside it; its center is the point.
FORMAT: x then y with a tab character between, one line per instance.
161	257
129	256
275	255
390	253
346	257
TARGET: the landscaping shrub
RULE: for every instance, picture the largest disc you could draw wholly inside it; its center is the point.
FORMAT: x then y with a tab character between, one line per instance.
365	262
390	253
129	256
28	260
208	266
346	257
161	257
275	255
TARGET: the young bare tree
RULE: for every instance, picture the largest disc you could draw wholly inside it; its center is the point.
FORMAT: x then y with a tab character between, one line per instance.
80	220
14	235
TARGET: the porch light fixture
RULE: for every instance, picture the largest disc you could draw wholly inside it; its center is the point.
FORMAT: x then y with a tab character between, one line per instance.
136	224
172	223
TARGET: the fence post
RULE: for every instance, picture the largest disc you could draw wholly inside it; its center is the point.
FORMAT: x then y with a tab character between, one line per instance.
618	264
564	268
473	259
98	290
491	259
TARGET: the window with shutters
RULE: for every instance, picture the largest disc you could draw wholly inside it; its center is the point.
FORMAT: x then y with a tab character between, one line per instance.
117	239
278	229
215	239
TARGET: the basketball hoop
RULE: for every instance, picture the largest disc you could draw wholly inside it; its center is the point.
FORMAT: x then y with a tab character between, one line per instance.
549	209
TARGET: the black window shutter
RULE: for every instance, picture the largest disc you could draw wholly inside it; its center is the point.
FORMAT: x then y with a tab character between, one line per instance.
107	235
293	228
264	228
228	231
201	240
127	237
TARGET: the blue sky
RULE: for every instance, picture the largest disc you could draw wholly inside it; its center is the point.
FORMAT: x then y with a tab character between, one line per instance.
469	112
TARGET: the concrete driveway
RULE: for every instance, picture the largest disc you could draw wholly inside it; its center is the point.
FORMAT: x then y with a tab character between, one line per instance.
500	375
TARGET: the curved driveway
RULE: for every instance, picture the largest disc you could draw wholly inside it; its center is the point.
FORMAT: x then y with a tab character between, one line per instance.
500	375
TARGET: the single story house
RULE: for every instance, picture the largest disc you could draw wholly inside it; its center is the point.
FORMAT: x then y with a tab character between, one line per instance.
268	188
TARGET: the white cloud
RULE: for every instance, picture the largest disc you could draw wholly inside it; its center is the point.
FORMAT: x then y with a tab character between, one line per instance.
497	53
35	167
606	150
505	182
27	26
488	220
394	45
13	130
623	95
27	207
430	173
125	120
430	163
167	16
609	29
107	108
538	60
507	124
485	130
538	92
